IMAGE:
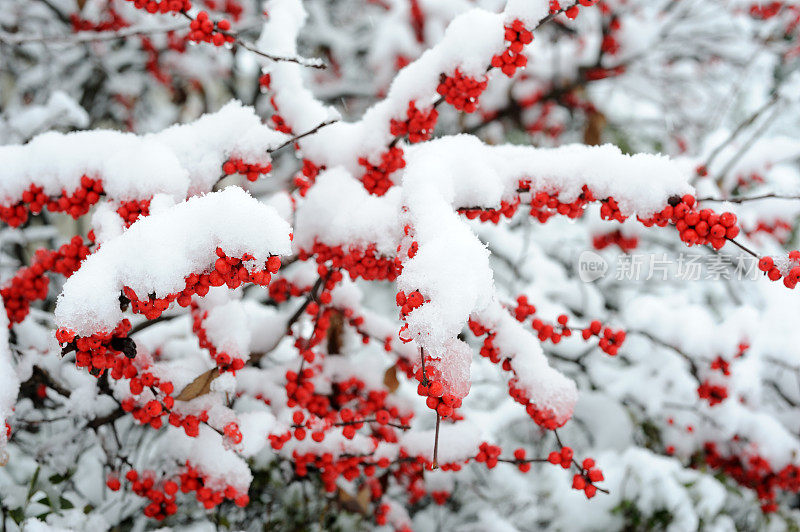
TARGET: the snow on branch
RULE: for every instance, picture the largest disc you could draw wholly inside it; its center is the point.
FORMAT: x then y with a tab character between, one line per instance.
460	172
459	51
70	172
447	270
158	253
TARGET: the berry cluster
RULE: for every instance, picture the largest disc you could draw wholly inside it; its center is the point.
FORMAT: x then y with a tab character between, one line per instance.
231	7
224	361
113	23
189	423
34	200
789	271
552	332
696	227
517	38
610	44
625	243
376	178
101	350
280	290
507	209
230	271
440	497
713	393
204	29
541	416
357	261
765	10
462	91
572	11
408	302
545	205
30	283
522	464
280	124
150	412
330	468
489	454
348	406
544	417
299	388
562	457
721	365
432	387
418	124
609	210
130	211
232	433
756	473
162	493
584	481
162	6
524	308
307	177
610	340
252	171
781	230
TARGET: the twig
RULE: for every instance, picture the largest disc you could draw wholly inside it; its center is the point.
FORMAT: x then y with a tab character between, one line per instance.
576	464
743	247
435	464
312	295
303	135
747	145
87	36
149	323
744	125
312	63
751	198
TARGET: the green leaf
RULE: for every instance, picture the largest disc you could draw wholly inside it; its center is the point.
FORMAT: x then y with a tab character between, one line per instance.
32	487
17	515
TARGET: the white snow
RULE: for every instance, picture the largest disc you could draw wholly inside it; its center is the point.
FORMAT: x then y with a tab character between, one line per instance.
158	252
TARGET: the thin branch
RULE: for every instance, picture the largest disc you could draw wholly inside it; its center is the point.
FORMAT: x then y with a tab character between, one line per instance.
303	135
312	295
744	125
435	464
149	323
87	36
747	145
312	63
752	198
302	61
743	247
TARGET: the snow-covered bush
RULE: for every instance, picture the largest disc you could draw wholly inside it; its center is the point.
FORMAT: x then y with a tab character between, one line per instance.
399	264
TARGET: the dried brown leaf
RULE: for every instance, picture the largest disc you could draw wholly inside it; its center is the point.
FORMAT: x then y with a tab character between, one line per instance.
390	379
200	386
358	504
